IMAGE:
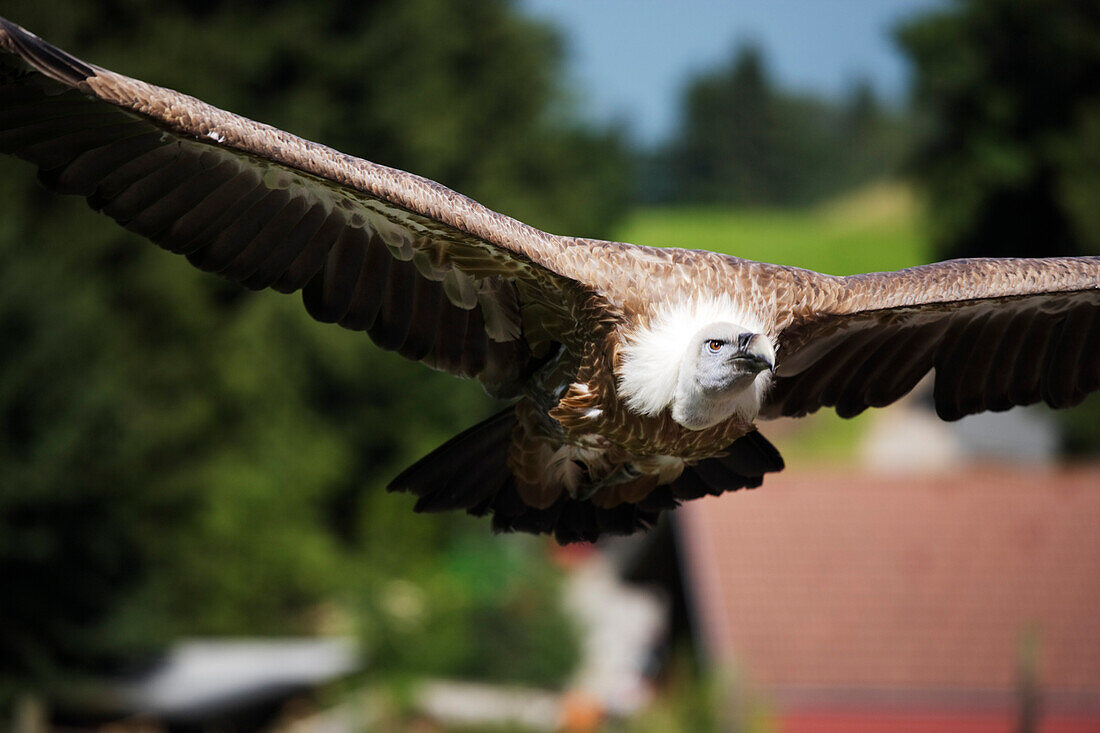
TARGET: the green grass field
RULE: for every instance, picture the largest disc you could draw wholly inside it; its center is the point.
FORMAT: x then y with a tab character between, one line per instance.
876	228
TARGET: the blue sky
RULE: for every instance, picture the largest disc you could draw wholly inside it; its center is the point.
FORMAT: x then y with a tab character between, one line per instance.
629	59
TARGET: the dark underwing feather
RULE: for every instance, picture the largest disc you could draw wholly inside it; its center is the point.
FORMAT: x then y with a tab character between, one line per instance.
389	329
463	472
282	247
328	294
661	498
987	354
86	171
237	234
156	220
469	472
306	261
427	301
743	466
265	243
690	485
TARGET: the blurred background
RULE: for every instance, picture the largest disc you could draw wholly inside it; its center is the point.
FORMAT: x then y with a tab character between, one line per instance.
194	532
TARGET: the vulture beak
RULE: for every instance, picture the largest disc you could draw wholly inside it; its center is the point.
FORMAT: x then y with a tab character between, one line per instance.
755	351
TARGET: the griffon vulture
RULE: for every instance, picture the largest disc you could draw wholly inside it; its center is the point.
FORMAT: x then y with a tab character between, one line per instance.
638	373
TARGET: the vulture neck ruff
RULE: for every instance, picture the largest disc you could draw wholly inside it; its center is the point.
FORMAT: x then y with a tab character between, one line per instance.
655	352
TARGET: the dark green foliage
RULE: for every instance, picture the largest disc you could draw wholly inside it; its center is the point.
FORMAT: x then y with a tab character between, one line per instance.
1012	92
744	142
1011	161
487	612
178	456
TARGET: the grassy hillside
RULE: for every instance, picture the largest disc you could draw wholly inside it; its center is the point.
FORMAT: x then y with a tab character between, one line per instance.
875	228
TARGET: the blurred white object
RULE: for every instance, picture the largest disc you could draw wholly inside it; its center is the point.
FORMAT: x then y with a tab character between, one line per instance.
473	704
908	436
1023	434
203	675
621	624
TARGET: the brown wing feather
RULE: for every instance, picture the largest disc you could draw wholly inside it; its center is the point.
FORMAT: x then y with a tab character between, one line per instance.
374	249
997	332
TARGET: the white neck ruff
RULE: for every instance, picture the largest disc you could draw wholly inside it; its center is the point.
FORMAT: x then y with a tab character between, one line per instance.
653	355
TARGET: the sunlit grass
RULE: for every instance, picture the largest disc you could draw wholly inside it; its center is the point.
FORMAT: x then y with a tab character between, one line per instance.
823	437
875	228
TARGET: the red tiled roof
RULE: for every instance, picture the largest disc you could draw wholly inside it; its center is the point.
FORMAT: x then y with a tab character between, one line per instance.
863	722
841	579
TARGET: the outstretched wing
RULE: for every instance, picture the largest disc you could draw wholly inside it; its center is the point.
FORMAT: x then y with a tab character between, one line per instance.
998	332
423	270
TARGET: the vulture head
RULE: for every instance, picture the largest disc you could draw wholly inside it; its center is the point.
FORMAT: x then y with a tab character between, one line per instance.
718	375
705	359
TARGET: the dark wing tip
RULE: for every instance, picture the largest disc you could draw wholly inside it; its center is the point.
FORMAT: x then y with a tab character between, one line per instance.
470	472
744	466
569	520
48	59
464	471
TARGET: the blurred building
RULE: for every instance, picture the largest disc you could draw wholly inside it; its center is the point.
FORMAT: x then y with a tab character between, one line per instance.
955	600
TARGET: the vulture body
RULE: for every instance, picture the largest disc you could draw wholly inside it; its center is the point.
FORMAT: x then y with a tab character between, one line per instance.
637	373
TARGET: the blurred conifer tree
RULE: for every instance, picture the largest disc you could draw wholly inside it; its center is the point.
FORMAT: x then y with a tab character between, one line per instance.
743	141
1011	92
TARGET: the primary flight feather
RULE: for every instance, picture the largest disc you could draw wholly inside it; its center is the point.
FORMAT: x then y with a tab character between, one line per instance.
638	373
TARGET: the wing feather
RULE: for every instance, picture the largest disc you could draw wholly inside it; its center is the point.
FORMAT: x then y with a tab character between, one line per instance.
375	249
391	326
281	246
997	333
86	171
875	367
362	310
306	261
328	296
155	219
427	299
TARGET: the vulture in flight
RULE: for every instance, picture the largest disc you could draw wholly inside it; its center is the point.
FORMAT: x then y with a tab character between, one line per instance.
636	374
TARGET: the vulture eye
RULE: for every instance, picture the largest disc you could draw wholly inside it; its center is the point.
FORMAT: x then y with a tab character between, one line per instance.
715	345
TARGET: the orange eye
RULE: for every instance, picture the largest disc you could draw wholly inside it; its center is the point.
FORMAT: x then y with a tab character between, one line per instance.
714	346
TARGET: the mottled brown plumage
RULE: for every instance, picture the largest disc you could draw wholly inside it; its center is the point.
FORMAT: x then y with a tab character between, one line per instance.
574	328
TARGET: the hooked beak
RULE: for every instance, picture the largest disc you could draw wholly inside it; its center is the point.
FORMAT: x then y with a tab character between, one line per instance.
756	351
